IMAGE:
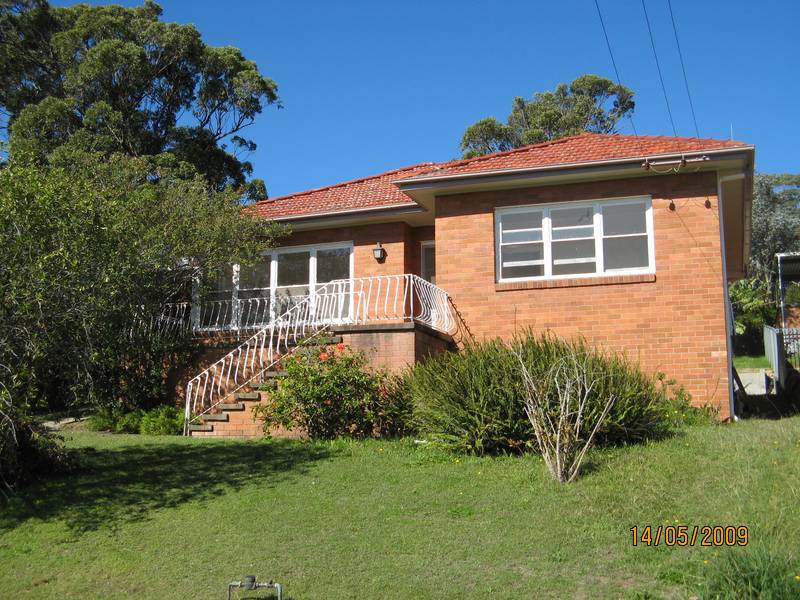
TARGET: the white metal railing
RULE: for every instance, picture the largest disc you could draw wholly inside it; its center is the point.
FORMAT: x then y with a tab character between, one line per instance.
782	347
173	321
400	297
257	354
385	298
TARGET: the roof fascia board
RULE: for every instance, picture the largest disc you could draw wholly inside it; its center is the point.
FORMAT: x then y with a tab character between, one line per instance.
422	182
343	215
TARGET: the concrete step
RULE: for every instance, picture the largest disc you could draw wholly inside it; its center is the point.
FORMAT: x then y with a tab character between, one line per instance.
197	427
236	432
214	417
274	374
247	396
231	406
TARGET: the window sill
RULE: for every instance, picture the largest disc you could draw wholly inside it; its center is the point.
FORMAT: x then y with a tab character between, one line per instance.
543	284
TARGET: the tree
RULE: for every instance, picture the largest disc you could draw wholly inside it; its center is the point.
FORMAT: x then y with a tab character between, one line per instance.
590	103
775	229
91	255
111	79
776	222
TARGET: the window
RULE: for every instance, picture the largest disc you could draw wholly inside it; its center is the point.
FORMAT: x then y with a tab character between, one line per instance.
574	240
251	296
293	284
427	267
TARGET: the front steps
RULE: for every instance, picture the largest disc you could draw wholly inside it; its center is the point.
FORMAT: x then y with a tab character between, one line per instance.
234	417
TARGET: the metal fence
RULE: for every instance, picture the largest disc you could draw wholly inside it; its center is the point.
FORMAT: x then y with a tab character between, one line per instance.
782	347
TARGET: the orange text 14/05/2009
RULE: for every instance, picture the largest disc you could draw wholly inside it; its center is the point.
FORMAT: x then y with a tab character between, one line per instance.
688	535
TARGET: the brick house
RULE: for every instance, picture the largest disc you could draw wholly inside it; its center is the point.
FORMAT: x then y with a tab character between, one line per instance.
628	241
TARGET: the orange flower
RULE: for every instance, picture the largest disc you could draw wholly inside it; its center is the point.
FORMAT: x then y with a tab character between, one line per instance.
323	356
328	402
340	347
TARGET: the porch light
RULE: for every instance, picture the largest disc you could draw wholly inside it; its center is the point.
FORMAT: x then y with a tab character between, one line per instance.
379	252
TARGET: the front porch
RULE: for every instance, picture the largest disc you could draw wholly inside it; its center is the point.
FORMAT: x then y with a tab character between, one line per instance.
396	320
350	302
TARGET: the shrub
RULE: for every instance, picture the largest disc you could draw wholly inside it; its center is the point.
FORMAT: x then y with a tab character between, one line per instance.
101	421
470	401
557	404
27	452
393	411
757	572
163	420
129	422
331	392
115	422
473	401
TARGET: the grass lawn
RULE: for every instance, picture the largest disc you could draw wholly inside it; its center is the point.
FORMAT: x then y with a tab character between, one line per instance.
180	518
751	362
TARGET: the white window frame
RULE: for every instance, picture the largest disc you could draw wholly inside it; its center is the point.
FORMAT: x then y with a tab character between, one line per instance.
273	254
597	223
312	250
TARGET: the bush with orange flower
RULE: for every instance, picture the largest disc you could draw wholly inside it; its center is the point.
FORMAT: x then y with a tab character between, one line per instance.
330	392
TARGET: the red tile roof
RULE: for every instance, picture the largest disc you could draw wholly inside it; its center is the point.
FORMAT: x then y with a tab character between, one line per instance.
380	190
583	148
365	193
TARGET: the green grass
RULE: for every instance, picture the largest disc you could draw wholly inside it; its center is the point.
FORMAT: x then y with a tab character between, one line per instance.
179	518
751	362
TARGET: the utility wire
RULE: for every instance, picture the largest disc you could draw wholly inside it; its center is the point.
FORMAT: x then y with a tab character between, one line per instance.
658	66
683	68
613	62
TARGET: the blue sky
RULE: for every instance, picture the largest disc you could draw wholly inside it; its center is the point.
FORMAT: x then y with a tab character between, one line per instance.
371	86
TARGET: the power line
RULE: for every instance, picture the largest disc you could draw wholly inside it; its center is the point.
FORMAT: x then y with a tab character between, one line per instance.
658	66
613	62
683	68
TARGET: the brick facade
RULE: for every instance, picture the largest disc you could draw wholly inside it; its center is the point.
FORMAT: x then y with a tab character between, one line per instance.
673	321
395	347
400	241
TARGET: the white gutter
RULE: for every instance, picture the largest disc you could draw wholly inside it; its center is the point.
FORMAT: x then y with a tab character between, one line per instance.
566	166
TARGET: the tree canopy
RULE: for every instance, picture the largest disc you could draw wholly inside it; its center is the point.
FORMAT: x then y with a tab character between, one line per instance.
776	221
775	228
90	254
589	103
110	79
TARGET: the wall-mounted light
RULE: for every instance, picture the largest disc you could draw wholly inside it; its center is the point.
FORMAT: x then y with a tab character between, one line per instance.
379	252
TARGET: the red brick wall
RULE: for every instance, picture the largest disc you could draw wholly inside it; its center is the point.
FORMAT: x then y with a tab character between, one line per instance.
402	244
394	237
413	248
672	322
395	349
392	350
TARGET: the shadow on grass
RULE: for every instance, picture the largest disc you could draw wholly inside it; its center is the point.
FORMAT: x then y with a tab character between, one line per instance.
115	486
770	406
